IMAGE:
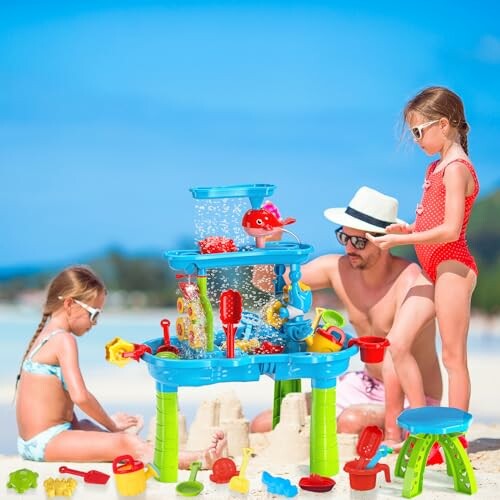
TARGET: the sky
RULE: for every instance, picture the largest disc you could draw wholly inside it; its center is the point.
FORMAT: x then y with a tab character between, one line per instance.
111	111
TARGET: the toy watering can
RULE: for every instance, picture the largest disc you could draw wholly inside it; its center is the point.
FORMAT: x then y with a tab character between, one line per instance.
329	337
326	340
131	476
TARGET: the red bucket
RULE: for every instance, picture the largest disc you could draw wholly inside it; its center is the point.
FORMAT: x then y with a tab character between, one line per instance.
365	479
371	349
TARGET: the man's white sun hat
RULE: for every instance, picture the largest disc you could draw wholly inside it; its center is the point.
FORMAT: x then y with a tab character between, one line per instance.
369	210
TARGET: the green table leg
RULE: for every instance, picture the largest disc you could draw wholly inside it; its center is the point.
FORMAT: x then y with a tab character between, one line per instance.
166	458
324	453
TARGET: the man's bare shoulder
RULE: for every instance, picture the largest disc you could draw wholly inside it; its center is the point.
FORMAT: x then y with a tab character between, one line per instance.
327	261
321	271
406	271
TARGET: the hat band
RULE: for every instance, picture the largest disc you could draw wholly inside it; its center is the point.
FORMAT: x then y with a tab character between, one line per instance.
367	218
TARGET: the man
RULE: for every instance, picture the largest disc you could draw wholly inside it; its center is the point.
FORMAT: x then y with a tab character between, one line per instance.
371	284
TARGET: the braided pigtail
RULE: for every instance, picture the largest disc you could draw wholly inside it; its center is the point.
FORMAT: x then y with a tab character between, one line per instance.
463	130
41	325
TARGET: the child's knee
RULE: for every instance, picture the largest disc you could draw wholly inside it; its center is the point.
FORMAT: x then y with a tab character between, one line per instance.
454	359
398	349
350	422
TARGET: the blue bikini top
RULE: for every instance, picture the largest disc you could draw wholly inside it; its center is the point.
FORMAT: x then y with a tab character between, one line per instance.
31	366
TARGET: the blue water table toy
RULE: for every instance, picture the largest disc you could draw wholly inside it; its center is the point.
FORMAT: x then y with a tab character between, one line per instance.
269	341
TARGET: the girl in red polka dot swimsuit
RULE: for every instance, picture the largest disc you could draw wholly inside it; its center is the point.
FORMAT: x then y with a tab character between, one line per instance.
443	290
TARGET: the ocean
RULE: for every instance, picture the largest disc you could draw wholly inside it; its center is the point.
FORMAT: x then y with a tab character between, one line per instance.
130	388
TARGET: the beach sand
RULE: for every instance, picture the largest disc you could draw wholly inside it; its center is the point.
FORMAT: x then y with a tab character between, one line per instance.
484	452
284	453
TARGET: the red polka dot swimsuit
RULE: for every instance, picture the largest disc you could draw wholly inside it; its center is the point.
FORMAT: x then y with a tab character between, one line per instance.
430	213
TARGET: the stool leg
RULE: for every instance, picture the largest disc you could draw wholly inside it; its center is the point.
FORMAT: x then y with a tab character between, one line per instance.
414	474
404	456
464	479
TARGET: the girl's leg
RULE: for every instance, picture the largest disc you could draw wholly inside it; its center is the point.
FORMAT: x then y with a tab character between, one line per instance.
95	446
414	313
98	446
394	403
454	286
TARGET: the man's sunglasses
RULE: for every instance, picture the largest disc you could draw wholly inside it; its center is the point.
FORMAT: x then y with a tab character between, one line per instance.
358	242
93	311
418	131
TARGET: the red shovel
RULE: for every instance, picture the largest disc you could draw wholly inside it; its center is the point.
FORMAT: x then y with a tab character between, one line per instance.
368	444
231	307
92	476
166	347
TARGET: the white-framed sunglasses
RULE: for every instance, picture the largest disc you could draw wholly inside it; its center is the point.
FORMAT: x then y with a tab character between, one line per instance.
93	311
418	130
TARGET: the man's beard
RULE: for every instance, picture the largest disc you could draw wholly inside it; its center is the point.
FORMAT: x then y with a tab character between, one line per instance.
359	263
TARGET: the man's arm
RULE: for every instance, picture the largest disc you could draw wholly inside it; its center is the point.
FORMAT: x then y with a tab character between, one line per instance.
317	274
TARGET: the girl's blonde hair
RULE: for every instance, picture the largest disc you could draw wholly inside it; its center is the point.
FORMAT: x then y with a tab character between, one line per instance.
78	282
438	102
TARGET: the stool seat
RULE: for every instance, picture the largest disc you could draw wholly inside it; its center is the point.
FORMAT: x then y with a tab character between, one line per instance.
434	420
426	426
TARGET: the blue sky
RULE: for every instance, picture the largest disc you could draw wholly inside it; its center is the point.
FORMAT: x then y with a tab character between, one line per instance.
111	111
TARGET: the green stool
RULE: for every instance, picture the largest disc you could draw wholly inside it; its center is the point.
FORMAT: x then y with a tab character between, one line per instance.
426	426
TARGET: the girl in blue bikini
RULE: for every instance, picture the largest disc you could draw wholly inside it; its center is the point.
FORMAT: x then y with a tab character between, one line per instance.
50	384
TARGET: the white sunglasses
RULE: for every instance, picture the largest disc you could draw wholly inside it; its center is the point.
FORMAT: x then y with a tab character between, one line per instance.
93	311
417	131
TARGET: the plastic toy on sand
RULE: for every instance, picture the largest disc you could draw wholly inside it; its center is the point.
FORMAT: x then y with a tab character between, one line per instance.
316	483
131	475
365	479
240	483
223	470
360	476
279	485
22	480
92	476
191	487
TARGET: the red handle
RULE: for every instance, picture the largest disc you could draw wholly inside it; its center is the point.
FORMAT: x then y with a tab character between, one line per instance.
63	469
139	350
126	459
352	342
387	472
165	324
230	332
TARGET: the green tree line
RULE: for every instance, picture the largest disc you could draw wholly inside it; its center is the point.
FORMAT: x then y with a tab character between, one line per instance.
151	276
483	236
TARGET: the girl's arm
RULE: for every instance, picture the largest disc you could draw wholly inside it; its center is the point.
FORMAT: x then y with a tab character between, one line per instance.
455	179
78	392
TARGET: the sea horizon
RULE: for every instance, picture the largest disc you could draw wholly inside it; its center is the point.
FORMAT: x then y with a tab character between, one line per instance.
131	389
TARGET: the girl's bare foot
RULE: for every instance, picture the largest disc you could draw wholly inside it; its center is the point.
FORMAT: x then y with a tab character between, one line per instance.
394	438
206	457
395	444
215	450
